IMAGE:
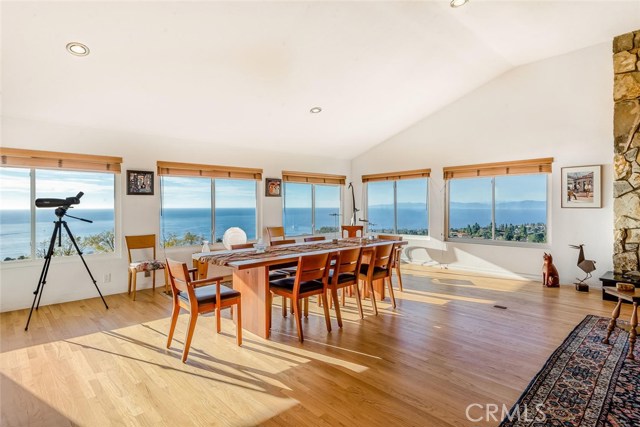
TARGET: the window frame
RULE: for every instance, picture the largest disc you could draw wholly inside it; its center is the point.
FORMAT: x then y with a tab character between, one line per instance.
212	186
313	204
395	204
33	218
493	241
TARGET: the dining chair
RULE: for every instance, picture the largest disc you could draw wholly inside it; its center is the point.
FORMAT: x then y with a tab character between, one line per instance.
146	243
396	256
282	242
311	279
275	233
241	246
197	297
344	274
314	239
353	230
378	268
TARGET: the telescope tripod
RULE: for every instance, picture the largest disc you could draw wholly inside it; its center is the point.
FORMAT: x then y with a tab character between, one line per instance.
57	232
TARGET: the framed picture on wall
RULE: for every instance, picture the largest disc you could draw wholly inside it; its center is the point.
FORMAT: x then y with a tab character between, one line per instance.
273	187
582	187
140	183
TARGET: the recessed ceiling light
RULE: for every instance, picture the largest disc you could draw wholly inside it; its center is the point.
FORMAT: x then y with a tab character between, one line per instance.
77	49
315	110
458	3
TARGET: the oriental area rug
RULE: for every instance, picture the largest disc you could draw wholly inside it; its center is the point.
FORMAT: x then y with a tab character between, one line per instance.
584	383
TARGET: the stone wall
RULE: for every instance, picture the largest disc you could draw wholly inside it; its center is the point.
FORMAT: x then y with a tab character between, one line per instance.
626	163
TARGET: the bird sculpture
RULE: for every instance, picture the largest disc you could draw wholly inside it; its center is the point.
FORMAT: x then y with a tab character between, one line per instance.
586	265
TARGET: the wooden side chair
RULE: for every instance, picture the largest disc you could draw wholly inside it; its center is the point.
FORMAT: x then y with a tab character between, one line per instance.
275	233
147	264
378	268
242	246
314	239
353	230
311	279
344	274
396	256
199	296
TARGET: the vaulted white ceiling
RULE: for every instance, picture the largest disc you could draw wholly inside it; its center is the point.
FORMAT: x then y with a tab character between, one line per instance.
247	73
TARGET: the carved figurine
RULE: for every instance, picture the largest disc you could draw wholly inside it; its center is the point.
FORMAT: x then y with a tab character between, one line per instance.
586	265
550	277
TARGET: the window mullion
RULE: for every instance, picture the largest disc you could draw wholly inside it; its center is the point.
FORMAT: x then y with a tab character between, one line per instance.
313	209
32	209
493	208
212	232
395	207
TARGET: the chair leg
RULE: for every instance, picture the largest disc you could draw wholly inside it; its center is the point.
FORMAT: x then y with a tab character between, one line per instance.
291	306
325	305
358	300
372	296
187	342
135	280
218	326
391	295
334	296
129	288
399	276
284	306
306	307
153	280
298	316
239	322
174	320
269	307
343	296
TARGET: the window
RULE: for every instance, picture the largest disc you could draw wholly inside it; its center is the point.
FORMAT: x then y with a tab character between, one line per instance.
312	202
398	206
25	231
509	206
311	208
200	202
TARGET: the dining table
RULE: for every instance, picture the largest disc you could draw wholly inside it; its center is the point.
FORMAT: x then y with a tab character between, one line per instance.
251	272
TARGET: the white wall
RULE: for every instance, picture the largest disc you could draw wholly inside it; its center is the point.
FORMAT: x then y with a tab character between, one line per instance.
67	278
561	107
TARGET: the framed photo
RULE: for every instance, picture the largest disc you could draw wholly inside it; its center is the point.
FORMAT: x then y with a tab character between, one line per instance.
273	187
140	182
582	187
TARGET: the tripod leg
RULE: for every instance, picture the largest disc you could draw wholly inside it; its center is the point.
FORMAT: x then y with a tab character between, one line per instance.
73	240
43	274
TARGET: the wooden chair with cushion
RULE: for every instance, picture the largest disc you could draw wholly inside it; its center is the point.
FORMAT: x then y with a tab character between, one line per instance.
378	268
353	230
146	243
314	239
344	274
199	296
396	256
275	233
311	279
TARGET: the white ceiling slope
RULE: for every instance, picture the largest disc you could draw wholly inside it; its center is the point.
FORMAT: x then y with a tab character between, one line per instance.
247	73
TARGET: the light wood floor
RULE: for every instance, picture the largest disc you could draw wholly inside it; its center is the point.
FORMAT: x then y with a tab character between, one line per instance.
443	348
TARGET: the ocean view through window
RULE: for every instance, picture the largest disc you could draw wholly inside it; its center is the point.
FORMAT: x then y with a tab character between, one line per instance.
199	209
398	207
22	239
311	208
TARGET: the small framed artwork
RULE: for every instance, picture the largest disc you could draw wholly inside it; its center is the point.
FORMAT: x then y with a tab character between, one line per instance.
140	182
582	187
273	187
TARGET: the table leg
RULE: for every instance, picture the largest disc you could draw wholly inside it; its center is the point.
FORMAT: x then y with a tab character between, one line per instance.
253	284
612	322
632	332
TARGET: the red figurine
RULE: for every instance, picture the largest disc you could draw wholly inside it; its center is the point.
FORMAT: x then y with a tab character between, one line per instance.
550	277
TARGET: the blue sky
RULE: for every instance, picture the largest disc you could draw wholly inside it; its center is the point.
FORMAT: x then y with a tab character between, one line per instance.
408	191
15	184
298	195
180	192
508	189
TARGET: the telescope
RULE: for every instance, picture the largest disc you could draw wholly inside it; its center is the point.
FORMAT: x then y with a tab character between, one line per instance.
58	203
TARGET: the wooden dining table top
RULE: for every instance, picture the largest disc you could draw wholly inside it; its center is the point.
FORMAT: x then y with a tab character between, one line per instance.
273	255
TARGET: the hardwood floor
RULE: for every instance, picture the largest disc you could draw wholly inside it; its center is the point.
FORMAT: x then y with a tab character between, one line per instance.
445	347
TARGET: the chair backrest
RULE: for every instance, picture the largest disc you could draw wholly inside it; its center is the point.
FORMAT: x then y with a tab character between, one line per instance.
348	261
282	242
314	238
352	230
382	256
242	246
146	241
275	232
389	237
179	277
312	267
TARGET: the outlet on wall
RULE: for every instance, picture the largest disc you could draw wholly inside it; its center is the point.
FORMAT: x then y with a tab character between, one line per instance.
106	278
